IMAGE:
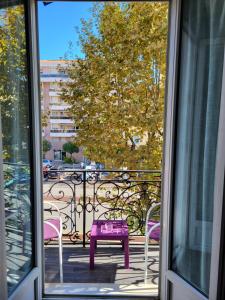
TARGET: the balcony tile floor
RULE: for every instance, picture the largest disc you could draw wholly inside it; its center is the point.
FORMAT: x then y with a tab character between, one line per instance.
109	265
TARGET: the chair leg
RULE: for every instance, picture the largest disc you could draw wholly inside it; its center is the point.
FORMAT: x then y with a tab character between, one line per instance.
60	260
146	259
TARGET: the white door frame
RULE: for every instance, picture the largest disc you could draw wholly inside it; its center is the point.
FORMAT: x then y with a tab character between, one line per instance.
35	276
31	286
3	273
169	277
169	137
218	197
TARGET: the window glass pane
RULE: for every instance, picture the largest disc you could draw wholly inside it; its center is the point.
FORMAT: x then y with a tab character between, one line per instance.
201	67
14	104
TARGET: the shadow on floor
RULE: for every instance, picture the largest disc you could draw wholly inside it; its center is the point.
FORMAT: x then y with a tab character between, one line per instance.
109	265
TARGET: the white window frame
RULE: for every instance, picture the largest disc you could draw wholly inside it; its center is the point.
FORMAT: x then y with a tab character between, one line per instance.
167	275
31	286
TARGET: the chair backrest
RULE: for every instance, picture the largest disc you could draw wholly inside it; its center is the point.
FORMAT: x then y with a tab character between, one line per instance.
152	227
52	208
53	220
154	230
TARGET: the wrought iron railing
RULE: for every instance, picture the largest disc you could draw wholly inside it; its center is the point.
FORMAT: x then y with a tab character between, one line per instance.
85	195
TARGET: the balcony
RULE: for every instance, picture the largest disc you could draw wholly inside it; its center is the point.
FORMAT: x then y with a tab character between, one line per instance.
59	106
62	132
60	120
84	196
54	93
54	78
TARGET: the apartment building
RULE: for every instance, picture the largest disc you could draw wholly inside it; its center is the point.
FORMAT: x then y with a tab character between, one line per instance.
60	127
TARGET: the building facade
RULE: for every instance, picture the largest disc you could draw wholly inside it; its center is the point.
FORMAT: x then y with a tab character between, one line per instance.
60	127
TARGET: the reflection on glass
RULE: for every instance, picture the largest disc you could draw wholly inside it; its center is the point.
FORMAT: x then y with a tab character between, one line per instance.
14	104
201	67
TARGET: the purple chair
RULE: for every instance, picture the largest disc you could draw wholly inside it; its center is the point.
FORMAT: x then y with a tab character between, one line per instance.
152	231
154	234
53	229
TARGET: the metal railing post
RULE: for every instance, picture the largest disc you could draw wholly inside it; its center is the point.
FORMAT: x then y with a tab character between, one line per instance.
84	208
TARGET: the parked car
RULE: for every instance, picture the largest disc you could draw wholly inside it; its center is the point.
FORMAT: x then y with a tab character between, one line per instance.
47	163
45	169
67	166
54	171
51	172
90	167
100	166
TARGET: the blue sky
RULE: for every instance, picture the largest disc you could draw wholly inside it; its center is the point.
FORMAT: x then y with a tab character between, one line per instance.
57	22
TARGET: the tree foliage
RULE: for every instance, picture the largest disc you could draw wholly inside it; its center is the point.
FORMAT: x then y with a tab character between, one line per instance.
71	148
116	92
46	146
14	84
45	118
14	96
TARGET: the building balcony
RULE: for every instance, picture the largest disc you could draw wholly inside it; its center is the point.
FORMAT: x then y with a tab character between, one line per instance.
84	196
59	107
54	78
61	120
54	93
62	133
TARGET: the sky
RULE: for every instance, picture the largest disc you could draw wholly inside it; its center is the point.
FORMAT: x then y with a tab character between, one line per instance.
57	22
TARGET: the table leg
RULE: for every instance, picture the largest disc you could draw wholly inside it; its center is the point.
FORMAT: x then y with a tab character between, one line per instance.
92	253
122	243
126	253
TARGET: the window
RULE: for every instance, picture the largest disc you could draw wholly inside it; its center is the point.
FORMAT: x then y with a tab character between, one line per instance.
16	136
54	100
201	69
55	140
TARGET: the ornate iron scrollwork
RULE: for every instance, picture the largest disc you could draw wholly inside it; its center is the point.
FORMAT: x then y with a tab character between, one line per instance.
85	195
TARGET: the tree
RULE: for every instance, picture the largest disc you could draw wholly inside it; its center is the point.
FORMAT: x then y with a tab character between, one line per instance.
116	92
14	96
44	118
46	146
71	148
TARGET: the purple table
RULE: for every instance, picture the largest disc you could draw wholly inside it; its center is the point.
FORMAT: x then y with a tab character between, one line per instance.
100	231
